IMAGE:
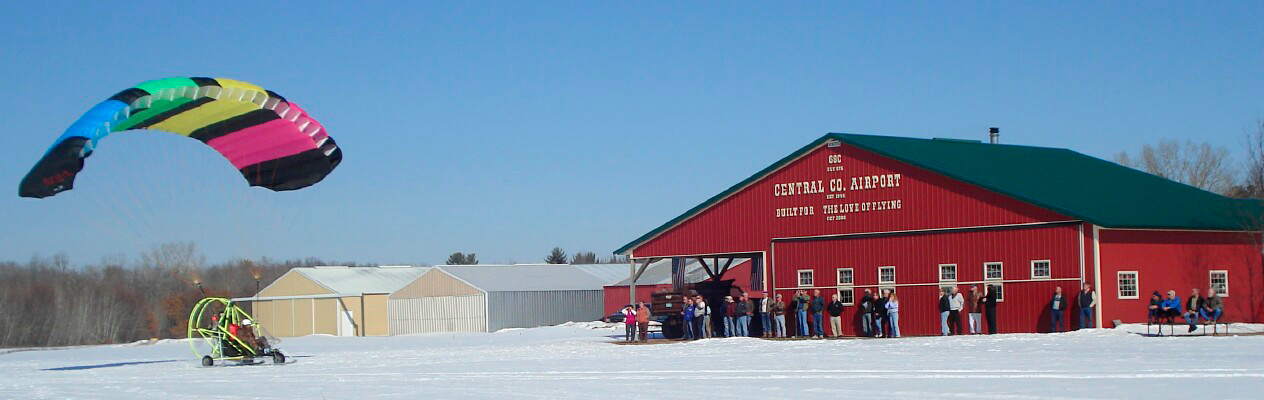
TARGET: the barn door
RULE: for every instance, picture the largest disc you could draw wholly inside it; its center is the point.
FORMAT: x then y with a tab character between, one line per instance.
345	326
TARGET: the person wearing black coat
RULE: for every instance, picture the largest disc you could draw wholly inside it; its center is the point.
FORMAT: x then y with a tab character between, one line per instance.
866	313
879	313
989	305
1057	307
835	309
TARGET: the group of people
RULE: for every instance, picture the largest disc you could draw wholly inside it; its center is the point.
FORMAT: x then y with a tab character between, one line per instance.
636	321
735	317
1208	308
879	313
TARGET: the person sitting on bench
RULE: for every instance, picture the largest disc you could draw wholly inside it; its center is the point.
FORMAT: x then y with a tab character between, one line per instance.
1156	300
1192	306
1171	307
1212	307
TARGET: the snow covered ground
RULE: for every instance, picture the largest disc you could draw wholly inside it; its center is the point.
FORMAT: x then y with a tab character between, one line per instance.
577	361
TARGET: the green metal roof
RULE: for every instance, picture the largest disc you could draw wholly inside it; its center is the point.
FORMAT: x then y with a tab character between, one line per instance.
1061	180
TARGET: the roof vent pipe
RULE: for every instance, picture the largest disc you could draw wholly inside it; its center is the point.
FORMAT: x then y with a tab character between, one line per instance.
994	135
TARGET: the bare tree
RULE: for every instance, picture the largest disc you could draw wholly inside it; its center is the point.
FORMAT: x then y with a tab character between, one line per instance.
1252	185
1196	164
584	257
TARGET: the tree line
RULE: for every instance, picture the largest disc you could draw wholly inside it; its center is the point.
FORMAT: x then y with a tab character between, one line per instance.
555	256
1205	166
47	302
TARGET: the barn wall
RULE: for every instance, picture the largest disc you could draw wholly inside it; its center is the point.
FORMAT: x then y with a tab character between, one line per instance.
917	258
748	219
292	284
325	319
465	313
541	308
1180	260
435	283
352	304
617	296
375	315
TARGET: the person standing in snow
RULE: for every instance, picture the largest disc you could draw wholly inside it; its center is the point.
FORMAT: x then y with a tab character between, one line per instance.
974	308
643	321
744	311
818	314
629	324
1087	301
893	313
765	319
800	306
880	313
688	313
945	304
702	326
779	316
957	302
989	305
866	313
1057	306
836	316
729	310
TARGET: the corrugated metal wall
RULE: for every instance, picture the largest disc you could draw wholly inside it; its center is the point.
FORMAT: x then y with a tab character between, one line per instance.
917	258
542	308
1180	261
438	314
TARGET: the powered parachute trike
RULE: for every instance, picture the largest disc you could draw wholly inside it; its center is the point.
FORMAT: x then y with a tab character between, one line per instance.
222	331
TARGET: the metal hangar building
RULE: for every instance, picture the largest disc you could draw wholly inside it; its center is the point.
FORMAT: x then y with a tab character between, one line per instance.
850	212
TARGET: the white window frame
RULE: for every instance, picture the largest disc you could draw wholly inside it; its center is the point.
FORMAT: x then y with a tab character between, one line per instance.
941	272
1136	283
985	271
1210	281
850	289
1033	269
811	277
893	277
838	275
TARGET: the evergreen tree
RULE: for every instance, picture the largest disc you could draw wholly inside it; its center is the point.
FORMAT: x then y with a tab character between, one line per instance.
459	258
557	256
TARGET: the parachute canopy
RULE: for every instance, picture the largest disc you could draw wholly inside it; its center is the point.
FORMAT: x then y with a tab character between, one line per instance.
272	141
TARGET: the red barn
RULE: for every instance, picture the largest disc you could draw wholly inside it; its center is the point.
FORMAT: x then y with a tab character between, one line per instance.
851	212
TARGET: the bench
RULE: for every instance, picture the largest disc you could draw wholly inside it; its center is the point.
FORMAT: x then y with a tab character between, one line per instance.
1215	327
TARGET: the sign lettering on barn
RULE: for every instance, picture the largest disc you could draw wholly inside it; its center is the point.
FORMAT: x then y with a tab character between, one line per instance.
836	205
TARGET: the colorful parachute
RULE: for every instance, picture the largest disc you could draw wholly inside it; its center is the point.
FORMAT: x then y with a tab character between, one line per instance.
273	142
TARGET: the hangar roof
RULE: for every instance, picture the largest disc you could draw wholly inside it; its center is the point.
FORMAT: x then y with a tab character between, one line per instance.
1057	179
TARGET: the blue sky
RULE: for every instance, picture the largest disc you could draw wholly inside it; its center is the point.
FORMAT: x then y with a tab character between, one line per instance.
507	129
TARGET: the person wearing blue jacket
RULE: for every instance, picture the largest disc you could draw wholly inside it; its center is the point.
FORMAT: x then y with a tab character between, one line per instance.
818	314
688	314
1171	306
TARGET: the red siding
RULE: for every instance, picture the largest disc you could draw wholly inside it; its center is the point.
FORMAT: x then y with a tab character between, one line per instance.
617	296
746	221
917	258
1180	260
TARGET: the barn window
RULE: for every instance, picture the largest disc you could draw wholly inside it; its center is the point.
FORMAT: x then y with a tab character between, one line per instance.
886	274
847	295
947	272
1041	269
993	271
845	276
805	277
998	287
1128	284
1220	282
